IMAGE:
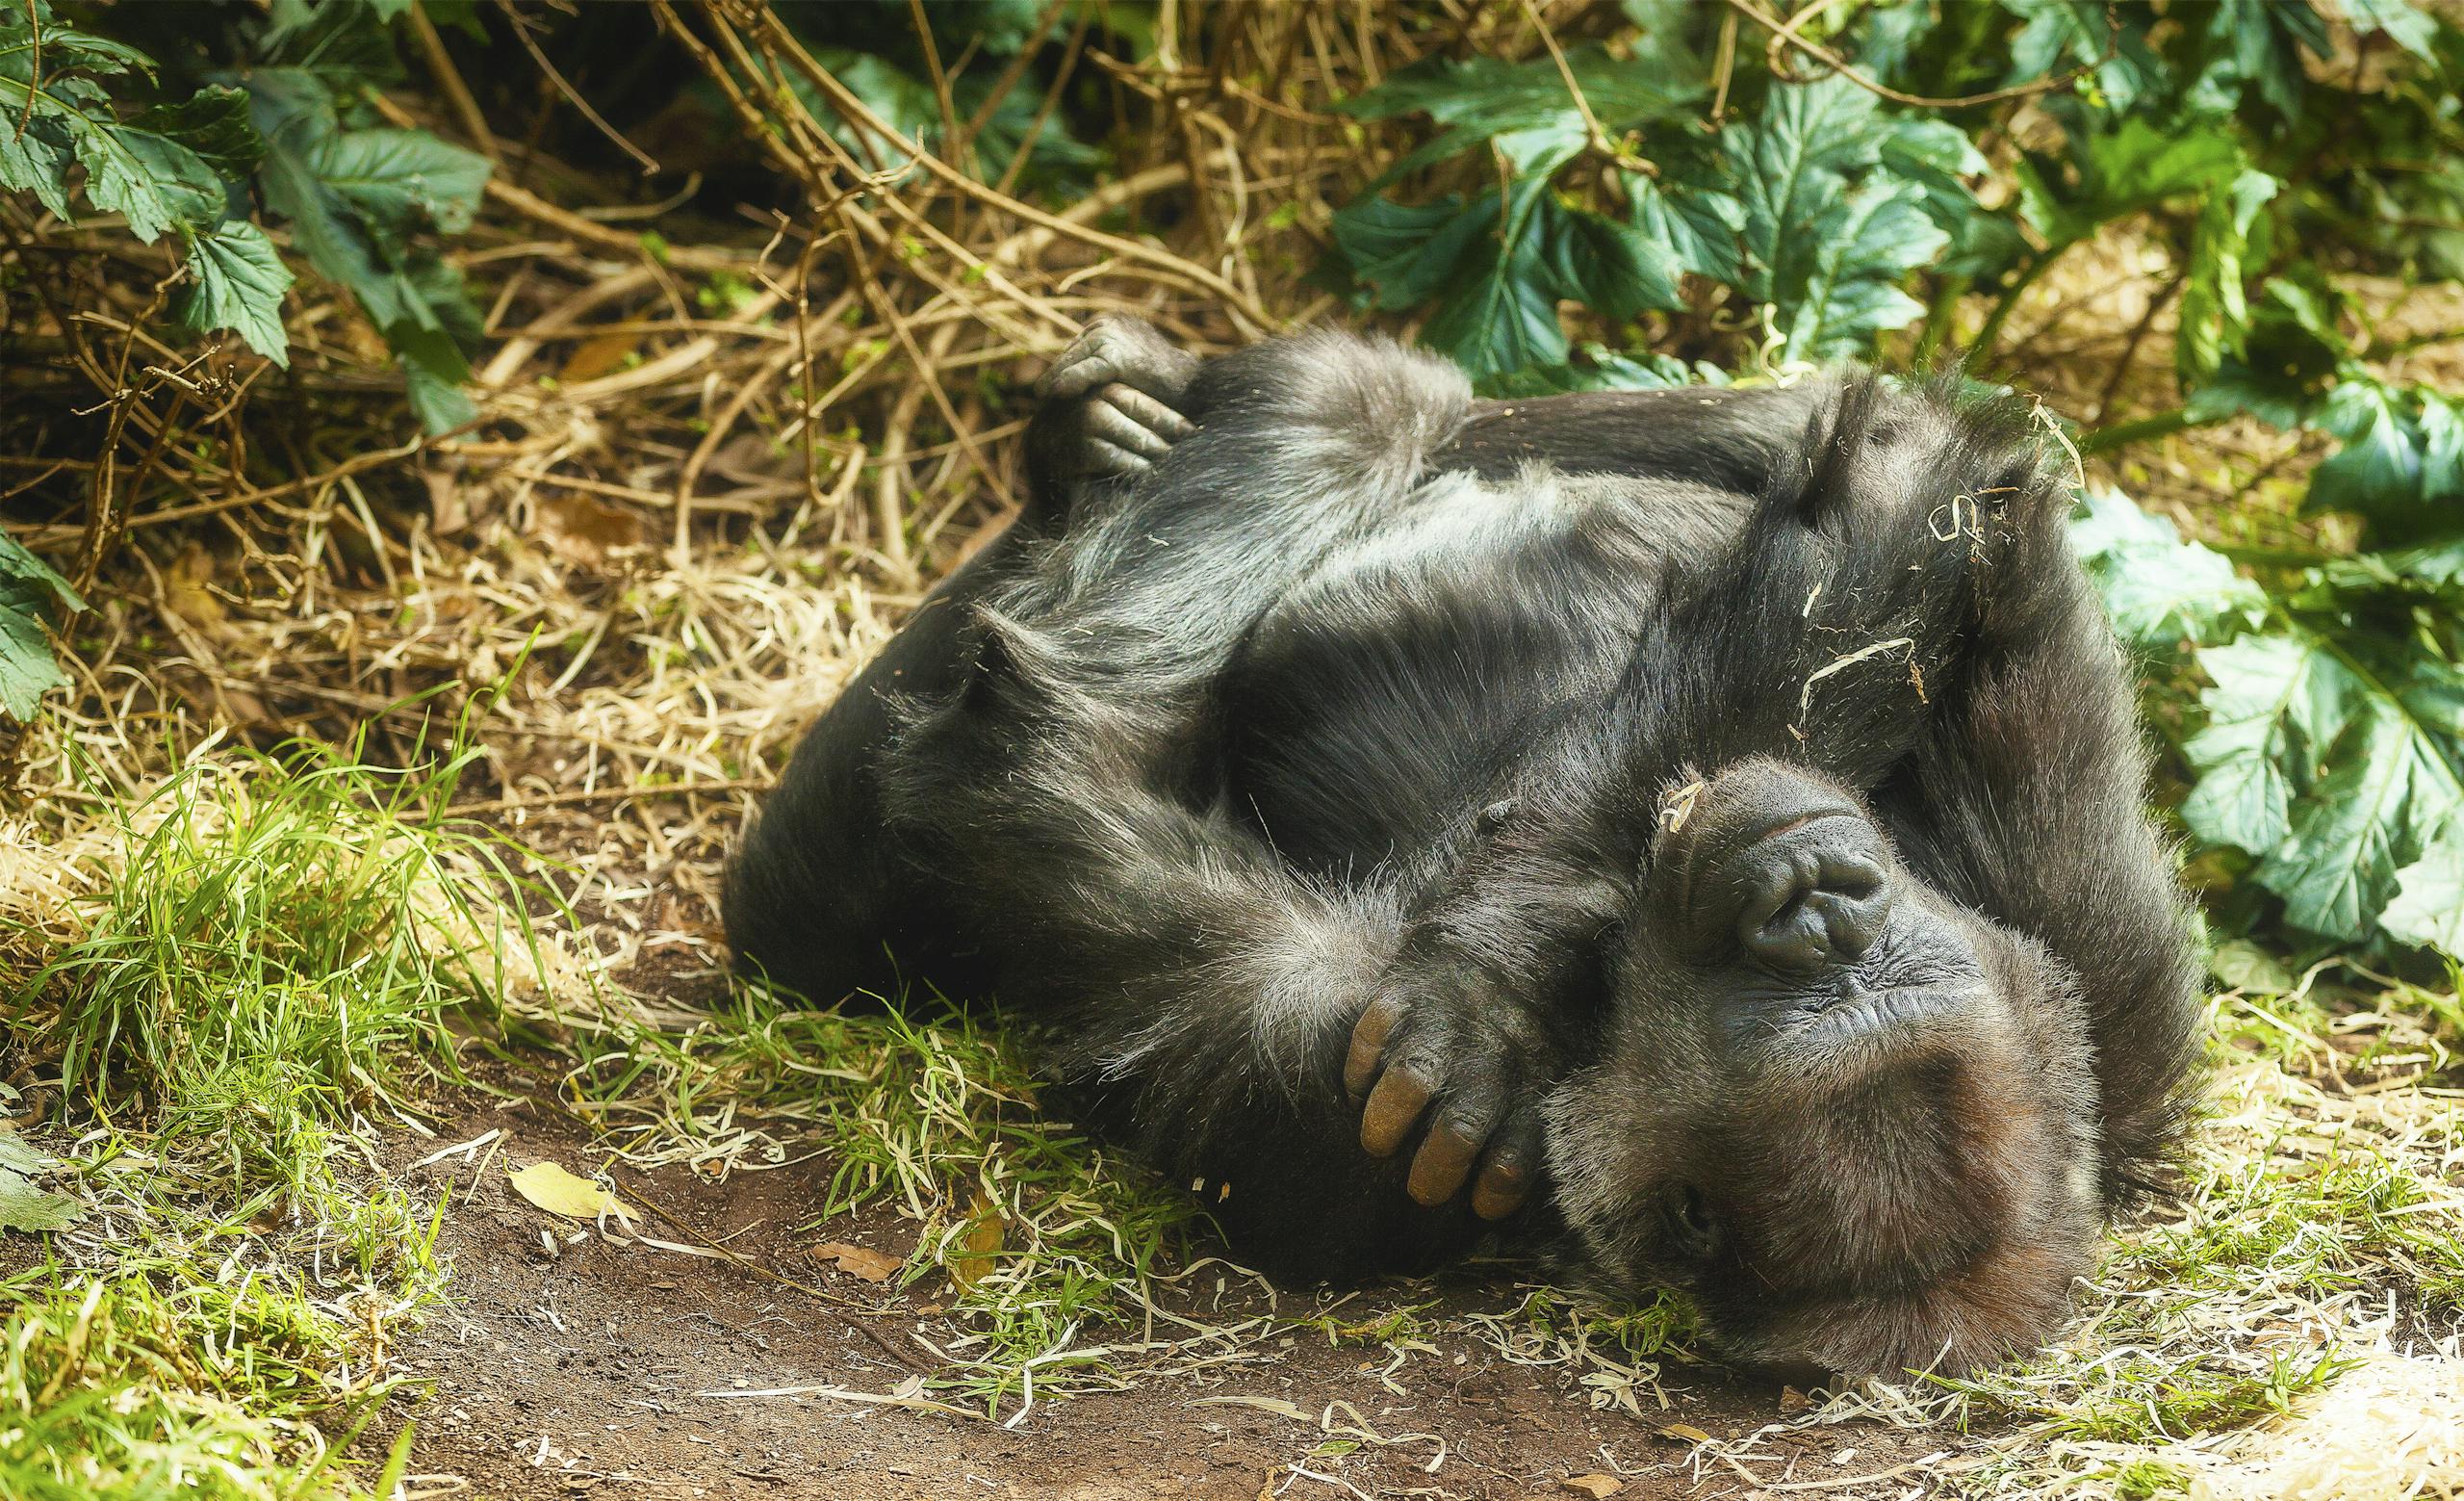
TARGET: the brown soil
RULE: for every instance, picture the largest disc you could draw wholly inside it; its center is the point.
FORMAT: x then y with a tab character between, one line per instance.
592	1369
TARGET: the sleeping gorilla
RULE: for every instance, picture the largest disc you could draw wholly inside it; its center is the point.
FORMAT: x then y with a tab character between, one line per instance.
1700	828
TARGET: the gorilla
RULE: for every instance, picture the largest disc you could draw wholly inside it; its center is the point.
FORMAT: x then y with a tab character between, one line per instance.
1697	832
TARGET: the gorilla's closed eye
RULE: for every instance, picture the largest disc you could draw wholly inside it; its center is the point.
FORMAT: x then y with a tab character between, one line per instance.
1692	1229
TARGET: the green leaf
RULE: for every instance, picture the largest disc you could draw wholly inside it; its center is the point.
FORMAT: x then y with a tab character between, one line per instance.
1698	225
2261	42
239	283
214	123
25	1205
1482	97
2215	316
400	178
1862	248
29	592
2064	34
2259	706
2158	589
1501	313
2402	462
1406	254
356	227
2133	166
2429	905
1830	231
2334	762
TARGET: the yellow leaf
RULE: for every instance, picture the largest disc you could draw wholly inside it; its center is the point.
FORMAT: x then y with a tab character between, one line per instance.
1686	1433
558	1192
984	1230
1596	1487
870	1265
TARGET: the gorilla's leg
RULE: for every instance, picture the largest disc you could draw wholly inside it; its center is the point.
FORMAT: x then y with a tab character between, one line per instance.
1194	977
819	895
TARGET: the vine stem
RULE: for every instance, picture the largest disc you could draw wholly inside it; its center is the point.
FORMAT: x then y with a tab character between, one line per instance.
2122	434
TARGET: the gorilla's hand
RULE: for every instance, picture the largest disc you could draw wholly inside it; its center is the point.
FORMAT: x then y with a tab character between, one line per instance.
1128	386
1446	1039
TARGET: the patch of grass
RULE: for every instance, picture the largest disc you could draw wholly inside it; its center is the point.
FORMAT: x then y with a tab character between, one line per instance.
263	946
209	987
1043	1234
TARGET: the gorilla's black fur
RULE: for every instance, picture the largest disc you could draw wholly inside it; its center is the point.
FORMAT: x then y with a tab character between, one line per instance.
1714	816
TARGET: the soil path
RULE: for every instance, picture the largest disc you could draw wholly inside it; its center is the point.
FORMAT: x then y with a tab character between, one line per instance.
591	1368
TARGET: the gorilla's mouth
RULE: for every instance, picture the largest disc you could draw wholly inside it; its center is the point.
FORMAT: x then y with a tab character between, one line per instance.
1864	1015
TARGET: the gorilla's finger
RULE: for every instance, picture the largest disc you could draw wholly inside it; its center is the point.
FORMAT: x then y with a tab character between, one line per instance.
1392	1106
1508	1167
1082	368
1144	409
1445	1156
1369	1037
1109	417
1102	458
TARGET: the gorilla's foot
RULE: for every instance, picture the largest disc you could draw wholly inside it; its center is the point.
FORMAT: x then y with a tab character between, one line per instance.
1129	385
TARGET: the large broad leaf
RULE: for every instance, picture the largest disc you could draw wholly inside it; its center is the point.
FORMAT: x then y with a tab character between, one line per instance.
239	283
1698	225
2402	462
2111	169
1481	97
1830	231
1498	266
2338	770
2158	589
2404	24
404	178
172	168
2260	43
2086	34
29	593
2429	906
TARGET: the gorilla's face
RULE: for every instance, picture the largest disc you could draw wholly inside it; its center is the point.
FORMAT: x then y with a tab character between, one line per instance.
1854	1119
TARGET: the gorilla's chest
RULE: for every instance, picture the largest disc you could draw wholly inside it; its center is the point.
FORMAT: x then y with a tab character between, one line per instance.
1384	692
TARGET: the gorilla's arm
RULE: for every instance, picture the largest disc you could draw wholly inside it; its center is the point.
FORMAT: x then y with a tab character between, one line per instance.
2026	798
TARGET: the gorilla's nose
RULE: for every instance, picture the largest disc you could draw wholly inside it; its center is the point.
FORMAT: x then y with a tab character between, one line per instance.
1817	894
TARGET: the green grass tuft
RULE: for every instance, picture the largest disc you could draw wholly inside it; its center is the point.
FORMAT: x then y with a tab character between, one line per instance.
1045	1236
243	961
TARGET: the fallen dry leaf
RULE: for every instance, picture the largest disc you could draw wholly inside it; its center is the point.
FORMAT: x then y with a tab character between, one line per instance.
598	356
1594	1485
1684	1432
558	1192
984	1230
585	531
870	1265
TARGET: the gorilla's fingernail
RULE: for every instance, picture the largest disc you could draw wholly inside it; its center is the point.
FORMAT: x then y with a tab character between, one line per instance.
1500	1190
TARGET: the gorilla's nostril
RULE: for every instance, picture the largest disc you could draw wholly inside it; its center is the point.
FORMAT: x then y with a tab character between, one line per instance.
1815	907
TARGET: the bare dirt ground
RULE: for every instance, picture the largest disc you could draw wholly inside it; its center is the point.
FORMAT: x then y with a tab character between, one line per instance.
609	1366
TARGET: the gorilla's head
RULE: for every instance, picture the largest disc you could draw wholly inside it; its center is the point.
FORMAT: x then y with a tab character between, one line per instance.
1856	1120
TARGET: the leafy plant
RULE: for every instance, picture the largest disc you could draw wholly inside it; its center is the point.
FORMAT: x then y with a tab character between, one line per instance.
276	115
